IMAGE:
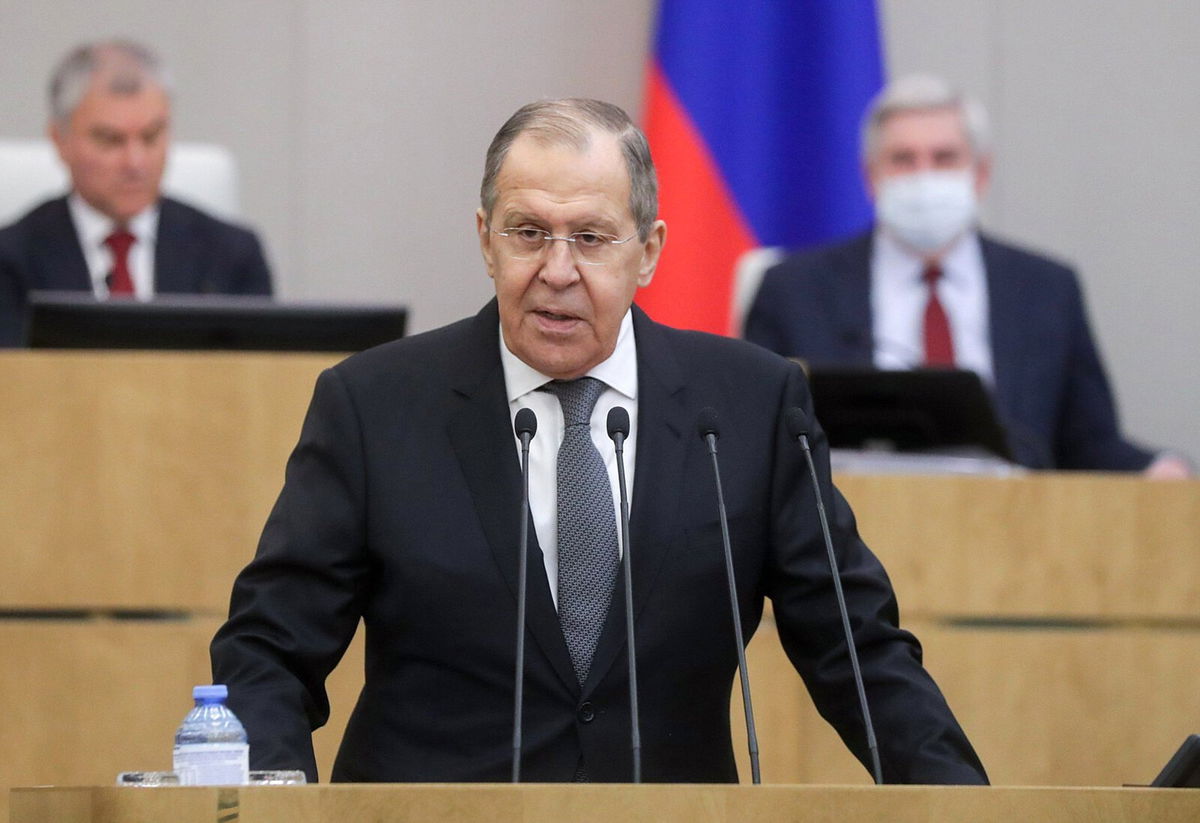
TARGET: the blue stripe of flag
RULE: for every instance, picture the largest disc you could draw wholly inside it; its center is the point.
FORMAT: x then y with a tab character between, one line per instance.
777	89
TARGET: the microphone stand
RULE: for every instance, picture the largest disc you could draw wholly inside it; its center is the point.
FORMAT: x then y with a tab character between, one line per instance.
618	430
707	426
525	426
795	424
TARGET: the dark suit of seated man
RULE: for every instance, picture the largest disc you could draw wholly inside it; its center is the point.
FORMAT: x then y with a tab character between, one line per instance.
402	500
114	234
1015	317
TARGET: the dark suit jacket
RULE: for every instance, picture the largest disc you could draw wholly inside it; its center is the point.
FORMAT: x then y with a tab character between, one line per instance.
400	506
1051	391
194	254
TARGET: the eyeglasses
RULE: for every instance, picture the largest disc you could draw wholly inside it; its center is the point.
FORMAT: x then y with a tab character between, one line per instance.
588	247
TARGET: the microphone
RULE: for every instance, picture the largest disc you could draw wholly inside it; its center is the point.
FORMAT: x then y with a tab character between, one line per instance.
796	424
525	427
706	427
618	430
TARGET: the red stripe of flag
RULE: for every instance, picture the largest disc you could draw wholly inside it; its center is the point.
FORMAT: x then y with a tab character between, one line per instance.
706	233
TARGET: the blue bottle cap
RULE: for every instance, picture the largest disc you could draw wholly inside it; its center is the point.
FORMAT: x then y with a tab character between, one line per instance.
210	694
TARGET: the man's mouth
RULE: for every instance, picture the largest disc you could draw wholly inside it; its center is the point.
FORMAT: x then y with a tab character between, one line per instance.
555	321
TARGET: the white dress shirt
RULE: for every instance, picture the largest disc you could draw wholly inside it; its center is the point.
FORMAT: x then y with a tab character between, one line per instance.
92	227
619	374
899	295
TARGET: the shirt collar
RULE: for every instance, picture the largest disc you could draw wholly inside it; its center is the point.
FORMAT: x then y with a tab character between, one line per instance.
619	371
893	259
94	226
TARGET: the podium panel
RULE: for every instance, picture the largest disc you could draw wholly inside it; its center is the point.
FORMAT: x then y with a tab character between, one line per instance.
588	803
1043	706
1071	545
141	480
89	699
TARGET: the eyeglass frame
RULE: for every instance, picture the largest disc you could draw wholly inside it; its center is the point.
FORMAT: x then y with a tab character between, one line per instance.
568	238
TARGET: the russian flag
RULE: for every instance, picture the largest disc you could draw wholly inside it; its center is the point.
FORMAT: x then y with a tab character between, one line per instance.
753	112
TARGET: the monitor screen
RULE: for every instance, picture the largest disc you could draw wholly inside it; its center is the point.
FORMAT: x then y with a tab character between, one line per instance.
925	410
76	320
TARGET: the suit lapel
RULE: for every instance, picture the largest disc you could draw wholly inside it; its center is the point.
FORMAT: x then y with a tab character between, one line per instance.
1005	318
64	266
177	256
662	428
850	303
481	434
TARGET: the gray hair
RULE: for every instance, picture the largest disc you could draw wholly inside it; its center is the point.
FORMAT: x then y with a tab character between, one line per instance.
128	67
570	122
921	92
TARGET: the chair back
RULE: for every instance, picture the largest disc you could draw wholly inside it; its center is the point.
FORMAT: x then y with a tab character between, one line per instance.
201	174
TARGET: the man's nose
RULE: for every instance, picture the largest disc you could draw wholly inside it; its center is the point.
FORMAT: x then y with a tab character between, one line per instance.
924	164
133	157
559	268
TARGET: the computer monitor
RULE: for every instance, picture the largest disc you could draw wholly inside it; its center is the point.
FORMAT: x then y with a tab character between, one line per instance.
1183	769
924	410
76	320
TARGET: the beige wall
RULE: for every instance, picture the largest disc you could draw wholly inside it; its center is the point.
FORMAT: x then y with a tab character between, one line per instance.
360	128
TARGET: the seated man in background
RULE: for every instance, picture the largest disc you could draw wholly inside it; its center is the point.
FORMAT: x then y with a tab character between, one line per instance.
926	288
115	234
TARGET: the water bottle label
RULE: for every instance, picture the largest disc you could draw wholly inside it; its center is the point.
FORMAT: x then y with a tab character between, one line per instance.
213	764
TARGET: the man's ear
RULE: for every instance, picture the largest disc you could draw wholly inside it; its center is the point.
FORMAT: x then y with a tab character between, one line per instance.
54	130
869	181
983	176
651	252
485	241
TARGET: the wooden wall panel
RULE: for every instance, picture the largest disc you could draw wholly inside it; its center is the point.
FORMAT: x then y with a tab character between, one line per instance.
1043	545
86	699
141	479
1043	706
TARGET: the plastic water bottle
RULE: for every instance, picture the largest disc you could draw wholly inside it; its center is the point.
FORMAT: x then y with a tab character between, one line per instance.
210	746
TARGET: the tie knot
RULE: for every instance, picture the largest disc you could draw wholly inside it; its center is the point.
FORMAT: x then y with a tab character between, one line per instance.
119	242
932	273
577	398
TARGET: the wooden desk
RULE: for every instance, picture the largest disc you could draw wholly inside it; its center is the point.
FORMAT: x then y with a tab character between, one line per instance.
588	803
1059	613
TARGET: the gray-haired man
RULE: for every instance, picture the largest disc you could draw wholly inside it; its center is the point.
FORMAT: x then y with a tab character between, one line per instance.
114	234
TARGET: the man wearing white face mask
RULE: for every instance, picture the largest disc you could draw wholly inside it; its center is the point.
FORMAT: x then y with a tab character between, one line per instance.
926	289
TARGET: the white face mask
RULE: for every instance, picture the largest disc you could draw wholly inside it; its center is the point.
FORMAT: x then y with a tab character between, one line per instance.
928	209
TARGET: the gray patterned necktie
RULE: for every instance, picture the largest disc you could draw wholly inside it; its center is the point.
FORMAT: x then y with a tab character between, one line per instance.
587	525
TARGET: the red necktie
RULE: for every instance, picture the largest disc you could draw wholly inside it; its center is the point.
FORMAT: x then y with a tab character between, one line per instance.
939	348
121	284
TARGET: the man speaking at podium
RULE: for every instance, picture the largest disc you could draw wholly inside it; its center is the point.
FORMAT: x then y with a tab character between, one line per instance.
402	507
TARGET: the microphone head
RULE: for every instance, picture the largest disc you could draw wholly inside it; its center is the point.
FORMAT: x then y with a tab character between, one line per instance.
796	422
706	423
526	422
618	422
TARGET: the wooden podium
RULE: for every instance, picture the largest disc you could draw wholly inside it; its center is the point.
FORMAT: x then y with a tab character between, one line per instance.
545	803
1059	613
